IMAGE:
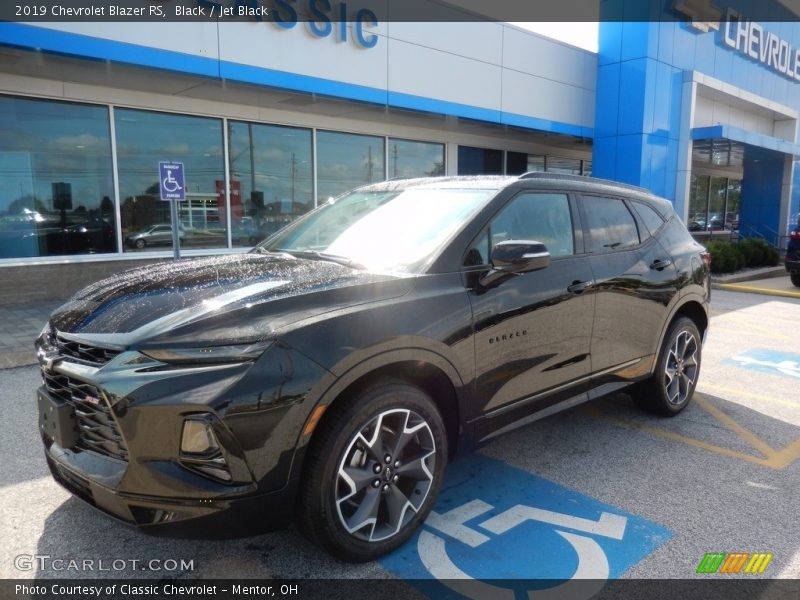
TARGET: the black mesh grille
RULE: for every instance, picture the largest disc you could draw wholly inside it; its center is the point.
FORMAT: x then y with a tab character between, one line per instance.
98	430
90	355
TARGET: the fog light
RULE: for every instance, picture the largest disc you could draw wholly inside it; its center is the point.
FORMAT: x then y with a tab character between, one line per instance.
200	450
198	437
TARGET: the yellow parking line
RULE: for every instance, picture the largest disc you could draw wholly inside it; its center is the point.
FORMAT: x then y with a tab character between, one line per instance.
772	458
737	287
713	388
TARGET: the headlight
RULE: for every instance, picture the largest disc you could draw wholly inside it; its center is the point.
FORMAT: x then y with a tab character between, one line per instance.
209	354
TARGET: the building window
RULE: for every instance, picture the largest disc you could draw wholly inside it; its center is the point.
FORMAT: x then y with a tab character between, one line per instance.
516	163
537	162
346	161
56	186
698	203
569	166
271	178
415	159
479	161
143	140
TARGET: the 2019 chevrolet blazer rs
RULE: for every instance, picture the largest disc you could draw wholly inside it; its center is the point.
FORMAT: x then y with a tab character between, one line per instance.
331	373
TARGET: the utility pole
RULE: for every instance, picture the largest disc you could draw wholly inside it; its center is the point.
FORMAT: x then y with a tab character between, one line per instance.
394	160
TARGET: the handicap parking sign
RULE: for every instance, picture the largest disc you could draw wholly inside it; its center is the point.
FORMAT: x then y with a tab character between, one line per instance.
499	532
171	181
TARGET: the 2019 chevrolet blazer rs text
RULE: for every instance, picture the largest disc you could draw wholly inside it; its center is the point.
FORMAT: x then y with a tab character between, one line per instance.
331	373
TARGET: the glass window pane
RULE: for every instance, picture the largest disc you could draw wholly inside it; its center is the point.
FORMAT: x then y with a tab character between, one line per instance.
734	202
698	203
271	175
56	185
516	163
143	140
569	166
536	162
544	218
611	225
587	168
479	161
716	203
415	159
346	161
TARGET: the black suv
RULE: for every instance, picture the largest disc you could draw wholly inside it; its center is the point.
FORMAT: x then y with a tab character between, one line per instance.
332	372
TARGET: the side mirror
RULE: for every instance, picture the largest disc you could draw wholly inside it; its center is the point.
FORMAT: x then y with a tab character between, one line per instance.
514	257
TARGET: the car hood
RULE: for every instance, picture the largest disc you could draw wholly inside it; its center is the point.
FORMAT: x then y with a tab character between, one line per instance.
216	300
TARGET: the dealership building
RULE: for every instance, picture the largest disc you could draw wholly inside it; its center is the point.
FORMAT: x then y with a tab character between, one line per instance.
271	117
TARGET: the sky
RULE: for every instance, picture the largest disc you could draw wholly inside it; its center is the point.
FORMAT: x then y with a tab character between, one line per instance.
583	35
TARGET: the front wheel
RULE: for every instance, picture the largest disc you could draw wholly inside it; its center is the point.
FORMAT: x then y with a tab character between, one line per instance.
795	277
373	471
669	390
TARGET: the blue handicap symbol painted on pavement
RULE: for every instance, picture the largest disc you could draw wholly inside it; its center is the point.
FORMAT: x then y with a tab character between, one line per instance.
768	361
496	522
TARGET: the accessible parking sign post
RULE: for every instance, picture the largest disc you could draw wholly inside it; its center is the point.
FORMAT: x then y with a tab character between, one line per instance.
172	185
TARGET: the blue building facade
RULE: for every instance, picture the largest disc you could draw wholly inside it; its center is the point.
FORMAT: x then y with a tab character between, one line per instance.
687	94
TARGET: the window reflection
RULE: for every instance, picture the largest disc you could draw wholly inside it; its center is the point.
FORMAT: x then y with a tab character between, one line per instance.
143	139
415	159
55	179
346	161
271	175
479	161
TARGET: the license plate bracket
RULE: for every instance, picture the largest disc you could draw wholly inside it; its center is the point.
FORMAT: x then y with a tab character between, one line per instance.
57	421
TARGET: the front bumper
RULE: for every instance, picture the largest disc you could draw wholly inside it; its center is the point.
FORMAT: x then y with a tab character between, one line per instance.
198	518
792	264
141	479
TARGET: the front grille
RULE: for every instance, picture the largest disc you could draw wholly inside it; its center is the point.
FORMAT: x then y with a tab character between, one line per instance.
98	430
84	353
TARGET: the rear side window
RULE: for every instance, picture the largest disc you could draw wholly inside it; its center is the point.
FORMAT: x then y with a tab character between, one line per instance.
652	220
610	225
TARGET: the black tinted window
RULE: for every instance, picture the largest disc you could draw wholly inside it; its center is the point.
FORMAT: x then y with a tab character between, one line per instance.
536	216
652	220
610	224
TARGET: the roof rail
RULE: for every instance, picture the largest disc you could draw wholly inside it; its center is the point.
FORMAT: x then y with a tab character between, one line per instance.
583	178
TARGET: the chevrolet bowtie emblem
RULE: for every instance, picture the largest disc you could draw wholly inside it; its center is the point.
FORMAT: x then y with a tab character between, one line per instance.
702	15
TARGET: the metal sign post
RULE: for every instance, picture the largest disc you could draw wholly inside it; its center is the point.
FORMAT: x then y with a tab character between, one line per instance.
172	185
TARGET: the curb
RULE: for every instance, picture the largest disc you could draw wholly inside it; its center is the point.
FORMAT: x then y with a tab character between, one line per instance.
763	273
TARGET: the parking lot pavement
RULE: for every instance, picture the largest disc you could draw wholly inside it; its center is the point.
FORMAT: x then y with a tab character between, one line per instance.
600	491
771	286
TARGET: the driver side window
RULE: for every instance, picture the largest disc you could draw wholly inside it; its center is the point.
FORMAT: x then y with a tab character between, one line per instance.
537	216
543	217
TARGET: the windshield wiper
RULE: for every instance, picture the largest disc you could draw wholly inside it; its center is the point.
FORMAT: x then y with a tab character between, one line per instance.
334	258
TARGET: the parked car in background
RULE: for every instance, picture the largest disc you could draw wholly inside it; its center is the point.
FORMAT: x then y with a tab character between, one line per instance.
332	372
155	235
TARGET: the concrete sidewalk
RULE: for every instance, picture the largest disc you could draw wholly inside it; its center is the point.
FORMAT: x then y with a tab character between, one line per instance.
773	286
19	326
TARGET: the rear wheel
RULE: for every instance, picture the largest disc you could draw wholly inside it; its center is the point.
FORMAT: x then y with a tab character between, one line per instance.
669	390
373	472
795	277
140	243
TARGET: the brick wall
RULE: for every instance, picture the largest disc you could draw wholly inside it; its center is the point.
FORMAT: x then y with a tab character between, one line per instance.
35	283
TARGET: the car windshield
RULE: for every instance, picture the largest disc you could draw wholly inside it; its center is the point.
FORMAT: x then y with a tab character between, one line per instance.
398	230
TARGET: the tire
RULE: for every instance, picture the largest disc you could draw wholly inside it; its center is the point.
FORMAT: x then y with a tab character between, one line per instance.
669	390
795	277
340	507
140	244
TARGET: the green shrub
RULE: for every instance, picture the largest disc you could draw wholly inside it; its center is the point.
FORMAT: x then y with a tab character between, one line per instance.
727	257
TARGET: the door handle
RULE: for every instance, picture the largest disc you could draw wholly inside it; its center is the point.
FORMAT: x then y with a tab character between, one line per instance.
578	287
660	264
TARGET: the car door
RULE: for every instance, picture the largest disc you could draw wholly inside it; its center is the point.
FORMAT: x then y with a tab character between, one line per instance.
532	331
635	282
